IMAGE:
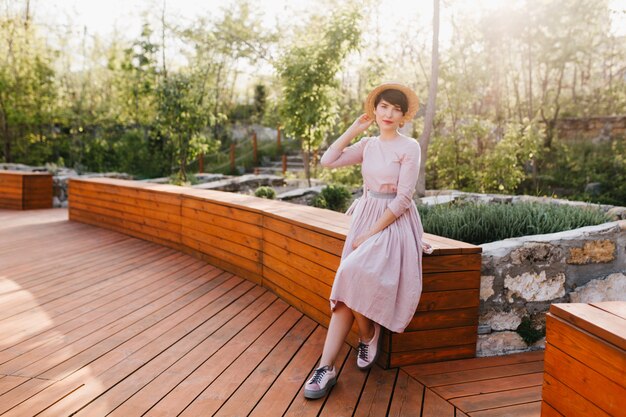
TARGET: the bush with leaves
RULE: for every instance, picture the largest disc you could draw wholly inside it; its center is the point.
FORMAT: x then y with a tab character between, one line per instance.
333	197
349	176
265	192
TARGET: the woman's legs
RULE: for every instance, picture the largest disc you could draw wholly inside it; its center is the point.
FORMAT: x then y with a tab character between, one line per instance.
339	327
366	326
325	376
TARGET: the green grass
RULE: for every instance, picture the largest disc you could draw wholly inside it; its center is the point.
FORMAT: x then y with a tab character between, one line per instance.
479	223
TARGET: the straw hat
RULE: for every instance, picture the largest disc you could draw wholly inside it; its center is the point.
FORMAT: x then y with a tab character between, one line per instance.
410	95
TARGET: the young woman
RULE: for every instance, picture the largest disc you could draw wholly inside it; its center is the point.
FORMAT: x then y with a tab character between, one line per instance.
379	280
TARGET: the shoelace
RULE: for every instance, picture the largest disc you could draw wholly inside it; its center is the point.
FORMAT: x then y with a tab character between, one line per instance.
318	375
363	351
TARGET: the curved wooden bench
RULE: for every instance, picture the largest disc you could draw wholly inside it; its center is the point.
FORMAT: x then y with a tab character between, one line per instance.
23	190
585	360
291	249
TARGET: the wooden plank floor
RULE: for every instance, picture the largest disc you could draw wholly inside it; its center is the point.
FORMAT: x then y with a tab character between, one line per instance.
96	323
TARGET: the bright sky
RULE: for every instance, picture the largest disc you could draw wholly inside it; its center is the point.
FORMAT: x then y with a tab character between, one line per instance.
104	16
126	16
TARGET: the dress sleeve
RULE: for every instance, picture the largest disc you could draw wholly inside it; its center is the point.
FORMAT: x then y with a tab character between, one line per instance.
351	155
409	170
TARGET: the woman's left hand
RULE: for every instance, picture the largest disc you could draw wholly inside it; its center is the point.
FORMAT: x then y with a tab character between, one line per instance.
359	240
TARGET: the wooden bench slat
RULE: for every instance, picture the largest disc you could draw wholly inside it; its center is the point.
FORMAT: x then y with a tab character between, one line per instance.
567	401
587	382
300	263
427	320
200	218
425	339
586	348
448	300
229	212
617	308
598	322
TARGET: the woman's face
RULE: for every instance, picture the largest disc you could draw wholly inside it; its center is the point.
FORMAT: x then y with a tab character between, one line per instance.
388	116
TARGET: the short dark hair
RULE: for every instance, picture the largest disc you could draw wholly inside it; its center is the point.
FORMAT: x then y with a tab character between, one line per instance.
395	97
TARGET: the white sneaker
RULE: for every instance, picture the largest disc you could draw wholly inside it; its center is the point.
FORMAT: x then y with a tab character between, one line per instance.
320	383
367	353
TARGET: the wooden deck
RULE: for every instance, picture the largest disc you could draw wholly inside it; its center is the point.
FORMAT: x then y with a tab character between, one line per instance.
94	322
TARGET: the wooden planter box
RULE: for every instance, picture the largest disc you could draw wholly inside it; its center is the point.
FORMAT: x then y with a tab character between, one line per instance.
585	360
292	250
25	190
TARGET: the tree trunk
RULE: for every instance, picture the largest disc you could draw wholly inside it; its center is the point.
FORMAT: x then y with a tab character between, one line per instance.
6	135
306	155
163	38
424	139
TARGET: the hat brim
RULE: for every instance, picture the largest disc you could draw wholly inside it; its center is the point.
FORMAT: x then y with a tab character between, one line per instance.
414	106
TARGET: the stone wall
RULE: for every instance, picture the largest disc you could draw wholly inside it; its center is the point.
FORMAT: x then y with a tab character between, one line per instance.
521	277
597	128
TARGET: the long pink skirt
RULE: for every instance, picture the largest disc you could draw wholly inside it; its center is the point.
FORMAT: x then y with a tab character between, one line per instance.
382	278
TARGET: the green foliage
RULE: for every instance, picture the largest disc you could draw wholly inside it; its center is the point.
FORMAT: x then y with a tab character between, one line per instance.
479	223
265	192
177	179
333	197
529	332
504	167
569	166
308	72
260	97
471	158
28	91
100	104
349	176
181	117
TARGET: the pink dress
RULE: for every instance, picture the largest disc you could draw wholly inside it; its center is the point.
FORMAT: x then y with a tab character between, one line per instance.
382	278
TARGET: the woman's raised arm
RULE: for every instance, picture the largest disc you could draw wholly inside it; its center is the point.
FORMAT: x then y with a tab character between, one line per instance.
339	153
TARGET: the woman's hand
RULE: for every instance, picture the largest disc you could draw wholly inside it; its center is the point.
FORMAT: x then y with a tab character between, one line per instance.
361	124
358	241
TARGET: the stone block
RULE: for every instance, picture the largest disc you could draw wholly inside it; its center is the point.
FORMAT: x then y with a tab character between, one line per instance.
595	251
499	343
486	287
535	253
531	286
611	288
503	320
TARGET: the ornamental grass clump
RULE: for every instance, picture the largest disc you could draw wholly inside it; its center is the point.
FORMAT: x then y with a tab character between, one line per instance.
479	223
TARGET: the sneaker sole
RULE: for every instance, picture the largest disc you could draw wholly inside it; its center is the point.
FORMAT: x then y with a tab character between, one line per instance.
314	395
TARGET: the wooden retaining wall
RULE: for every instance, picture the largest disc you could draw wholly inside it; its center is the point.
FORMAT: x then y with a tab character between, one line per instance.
585	360
291	249
23	190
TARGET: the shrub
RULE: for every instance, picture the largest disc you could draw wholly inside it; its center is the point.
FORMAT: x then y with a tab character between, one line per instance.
348	176
333	197
529	332
265	192
479	223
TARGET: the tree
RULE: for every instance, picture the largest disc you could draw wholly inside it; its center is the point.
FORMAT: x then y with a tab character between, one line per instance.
218	48
182	117
308	73
424	139
27	87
